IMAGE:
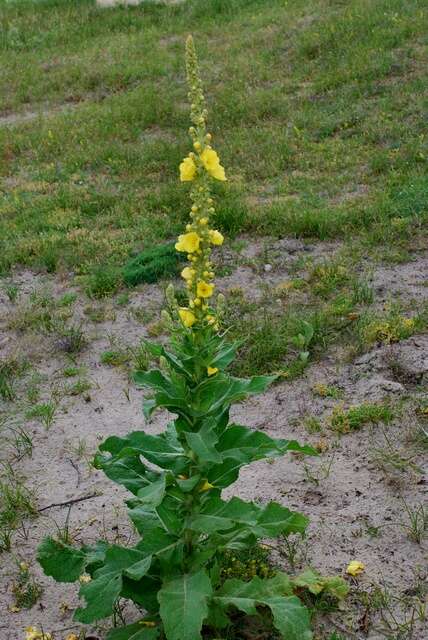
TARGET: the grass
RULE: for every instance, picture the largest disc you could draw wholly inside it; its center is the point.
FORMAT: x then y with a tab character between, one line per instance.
345	420
321	128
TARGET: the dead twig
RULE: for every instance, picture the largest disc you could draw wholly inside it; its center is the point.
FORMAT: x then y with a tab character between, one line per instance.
68	502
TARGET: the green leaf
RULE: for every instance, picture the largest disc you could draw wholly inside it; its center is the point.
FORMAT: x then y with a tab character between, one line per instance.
247	445
276	519
203	444
136	631
153	494
61	561
218	515
290	617
102	592
162	450
220	390
128	471
184	605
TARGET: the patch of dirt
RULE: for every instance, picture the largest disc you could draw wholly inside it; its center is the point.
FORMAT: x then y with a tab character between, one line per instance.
352	493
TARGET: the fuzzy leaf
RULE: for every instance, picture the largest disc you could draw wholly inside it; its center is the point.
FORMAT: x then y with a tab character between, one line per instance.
136	631
218	515
153	494
101	592
276	519
222	390
61	561
160	450
203	444
290	617
183	605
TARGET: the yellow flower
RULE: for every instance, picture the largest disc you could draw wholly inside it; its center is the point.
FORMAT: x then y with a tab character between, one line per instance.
216	237
186	316
148	623
34	634
71	636
189	242
212	371
211	162
187	273
187	170
206	486
84	578
204	290
355	567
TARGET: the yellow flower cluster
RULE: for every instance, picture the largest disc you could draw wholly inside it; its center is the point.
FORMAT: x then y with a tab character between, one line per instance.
199	167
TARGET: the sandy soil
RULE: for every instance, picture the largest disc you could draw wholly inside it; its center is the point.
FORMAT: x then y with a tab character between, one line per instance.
354	499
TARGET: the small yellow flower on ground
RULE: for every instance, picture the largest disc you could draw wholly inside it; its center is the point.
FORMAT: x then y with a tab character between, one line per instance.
204	290
34	634
148	623
355	567
216	237
71	636
188	242
187	317
187	170
187	273
211	162
212	371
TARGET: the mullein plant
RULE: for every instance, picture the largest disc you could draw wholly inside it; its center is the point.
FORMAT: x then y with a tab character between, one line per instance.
173	573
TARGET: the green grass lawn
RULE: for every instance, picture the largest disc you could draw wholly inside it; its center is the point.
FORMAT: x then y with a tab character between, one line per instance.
317	109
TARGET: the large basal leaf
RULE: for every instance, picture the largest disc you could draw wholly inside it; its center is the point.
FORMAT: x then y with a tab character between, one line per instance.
136	631
105	587
275	519
290	617
61	561
184	605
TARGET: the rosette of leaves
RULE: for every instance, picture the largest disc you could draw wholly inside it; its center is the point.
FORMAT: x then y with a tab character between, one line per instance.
177	508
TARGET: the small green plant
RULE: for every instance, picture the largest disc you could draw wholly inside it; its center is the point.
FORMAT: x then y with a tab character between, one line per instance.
416	524
115	357
16	504
152	264
45	412
71	338
12	290
7	376
344	420
25	589
103	282
187	528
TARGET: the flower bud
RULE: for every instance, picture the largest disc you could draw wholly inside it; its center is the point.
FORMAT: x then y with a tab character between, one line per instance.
170	295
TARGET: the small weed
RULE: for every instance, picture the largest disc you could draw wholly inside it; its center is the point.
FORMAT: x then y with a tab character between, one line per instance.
16	504
322	472
96	314
67	299
71	372
103	282
123	299
327	391
45	412
22	443
312	424
345	420
416	524
71	339
12	290
115	357
78	388
141	358
26	590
